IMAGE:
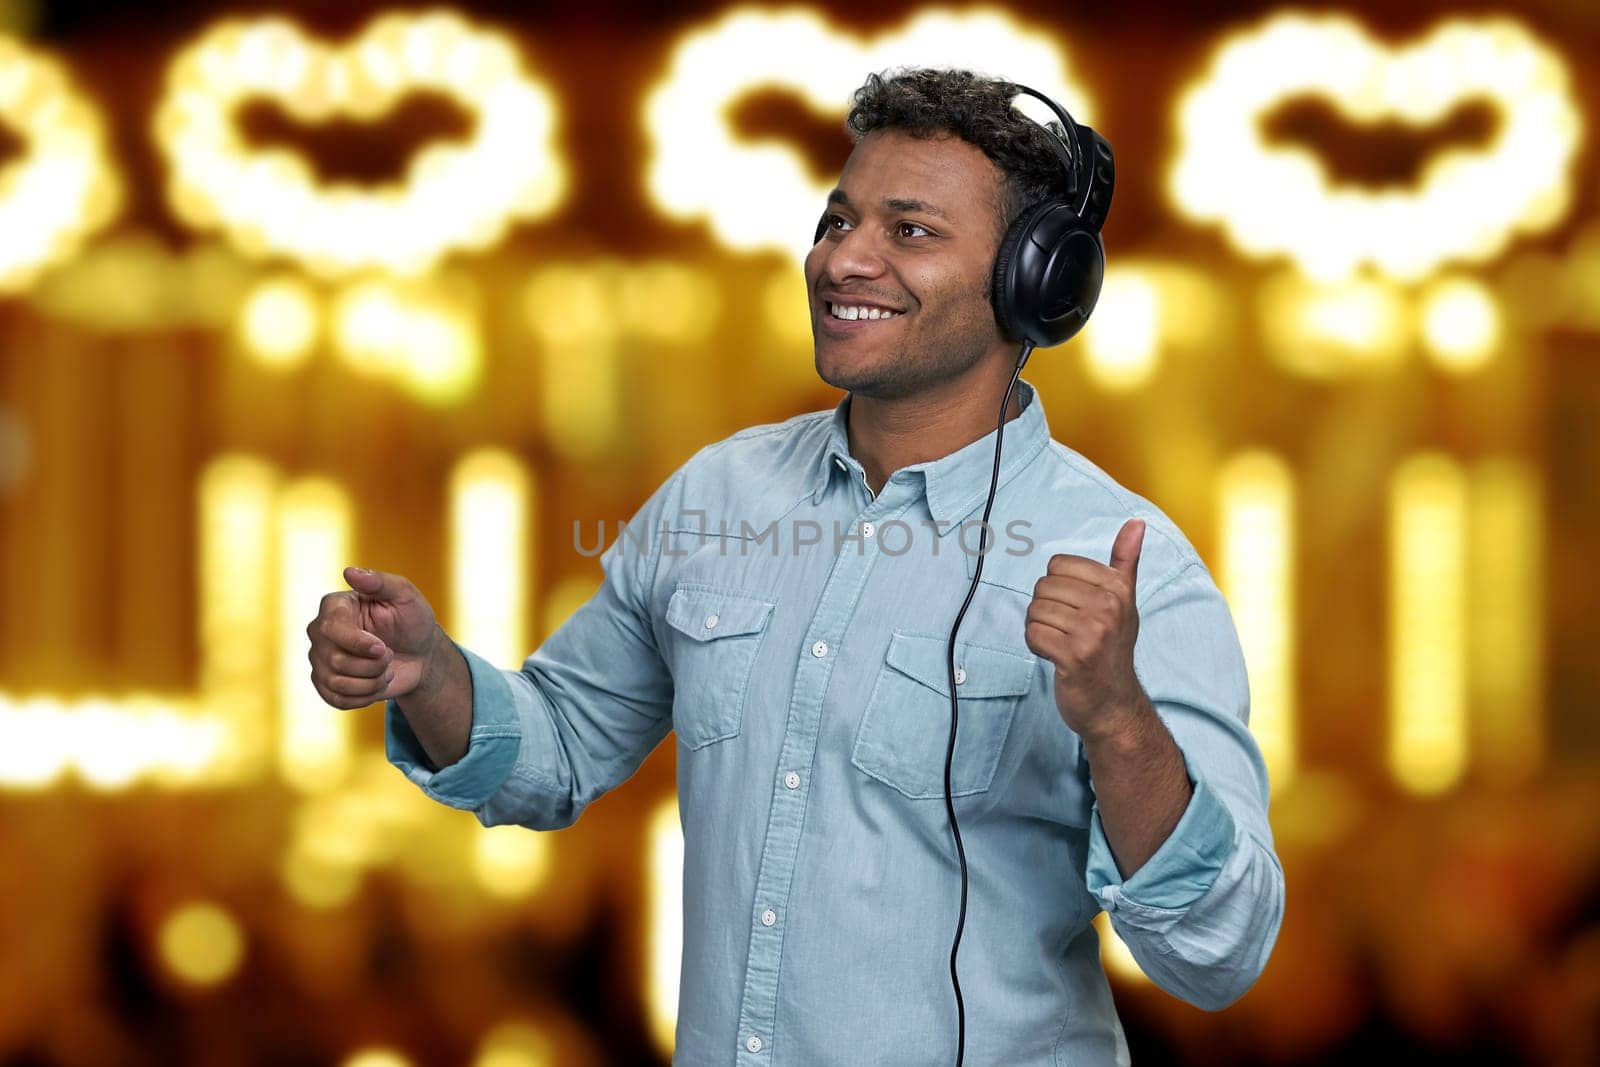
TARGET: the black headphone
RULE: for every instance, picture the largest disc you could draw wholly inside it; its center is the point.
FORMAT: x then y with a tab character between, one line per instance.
1051	262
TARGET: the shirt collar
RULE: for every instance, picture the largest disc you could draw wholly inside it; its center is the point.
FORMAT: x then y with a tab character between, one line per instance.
957	484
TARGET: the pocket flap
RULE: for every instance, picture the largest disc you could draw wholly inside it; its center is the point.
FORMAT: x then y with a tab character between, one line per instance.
705	613
989	672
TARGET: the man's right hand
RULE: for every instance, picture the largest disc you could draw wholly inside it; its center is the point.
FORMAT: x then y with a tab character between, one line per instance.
373	642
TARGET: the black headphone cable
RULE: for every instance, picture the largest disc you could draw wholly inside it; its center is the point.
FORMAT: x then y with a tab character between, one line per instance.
949	755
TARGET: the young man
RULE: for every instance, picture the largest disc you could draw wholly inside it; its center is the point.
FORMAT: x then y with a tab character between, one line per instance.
783	604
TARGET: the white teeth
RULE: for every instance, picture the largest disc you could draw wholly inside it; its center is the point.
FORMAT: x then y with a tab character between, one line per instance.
850	314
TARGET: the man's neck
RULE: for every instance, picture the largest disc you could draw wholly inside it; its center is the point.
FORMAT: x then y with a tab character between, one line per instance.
887	435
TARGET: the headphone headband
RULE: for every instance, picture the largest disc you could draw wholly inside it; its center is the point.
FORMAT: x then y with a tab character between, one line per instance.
1073	146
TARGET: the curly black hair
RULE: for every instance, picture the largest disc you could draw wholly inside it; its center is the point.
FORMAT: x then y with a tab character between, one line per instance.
925	102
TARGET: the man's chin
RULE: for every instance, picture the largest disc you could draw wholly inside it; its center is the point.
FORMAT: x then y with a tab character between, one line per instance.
858	377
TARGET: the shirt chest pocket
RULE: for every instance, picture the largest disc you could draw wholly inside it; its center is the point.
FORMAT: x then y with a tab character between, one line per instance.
715	634
905	729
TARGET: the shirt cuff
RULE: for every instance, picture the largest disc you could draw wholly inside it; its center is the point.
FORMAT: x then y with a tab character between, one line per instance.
1181	870
492	744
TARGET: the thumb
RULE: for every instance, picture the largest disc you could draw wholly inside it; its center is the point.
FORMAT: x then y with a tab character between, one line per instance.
1125	550
376	585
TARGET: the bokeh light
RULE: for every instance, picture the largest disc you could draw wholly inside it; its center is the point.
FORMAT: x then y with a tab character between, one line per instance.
1460	323
1274	200
201	943
1427	624
1255	504
269	201
62	187
762	195
515	1045
279	322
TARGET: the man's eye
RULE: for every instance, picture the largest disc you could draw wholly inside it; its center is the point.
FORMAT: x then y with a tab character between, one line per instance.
911	229
838	222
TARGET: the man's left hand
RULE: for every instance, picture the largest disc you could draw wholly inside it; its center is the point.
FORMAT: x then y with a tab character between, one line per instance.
1083	620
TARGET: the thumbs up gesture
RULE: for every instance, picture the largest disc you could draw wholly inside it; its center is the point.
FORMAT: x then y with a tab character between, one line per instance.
371	642
1083	620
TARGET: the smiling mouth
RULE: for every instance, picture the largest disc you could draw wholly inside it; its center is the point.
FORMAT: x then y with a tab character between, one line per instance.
860	312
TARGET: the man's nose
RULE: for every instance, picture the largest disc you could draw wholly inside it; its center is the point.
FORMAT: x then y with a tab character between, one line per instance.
854	253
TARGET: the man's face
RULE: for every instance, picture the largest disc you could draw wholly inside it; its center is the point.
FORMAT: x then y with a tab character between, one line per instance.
912	231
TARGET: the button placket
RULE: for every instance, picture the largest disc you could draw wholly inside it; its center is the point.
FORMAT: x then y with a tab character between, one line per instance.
841	591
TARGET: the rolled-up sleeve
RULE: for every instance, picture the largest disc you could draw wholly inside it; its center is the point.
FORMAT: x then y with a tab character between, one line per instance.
580	715
1201	915
491	745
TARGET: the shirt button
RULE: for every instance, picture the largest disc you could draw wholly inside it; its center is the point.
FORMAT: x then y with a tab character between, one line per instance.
769	917
754	1043
711	622
837	462
791	780
819	649
961	675
867	529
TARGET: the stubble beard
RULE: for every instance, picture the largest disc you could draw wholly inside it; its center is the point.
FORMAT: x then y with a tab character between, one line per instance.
915	365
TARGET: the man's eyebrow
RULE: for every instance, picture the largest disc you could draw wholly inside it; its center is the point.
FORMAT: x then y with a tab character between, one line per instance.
894	203
919	206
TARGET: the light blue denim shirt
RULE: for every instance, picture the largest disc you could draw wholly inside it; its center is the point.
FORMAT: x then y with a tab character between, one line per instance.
790	629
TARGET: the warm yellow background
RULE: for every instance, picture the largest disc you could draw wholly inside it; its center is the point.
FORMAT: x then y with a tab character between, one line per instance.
1391	470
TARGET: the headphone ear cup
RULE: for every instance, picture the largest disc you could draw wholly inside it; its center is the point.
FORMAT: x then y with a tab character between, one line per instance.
822	228
1047	275
1004	283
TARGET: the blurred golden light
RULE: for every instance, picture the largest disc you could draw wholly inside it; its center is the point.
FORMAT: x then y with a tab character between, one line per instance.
510	861
490	544
571	310
1327	331
665	896
1256	508
376	1057
667	302
515	1044
313	548
62	187
1506	593
787	313
201	943
35	743
269	202
317	881
278	322
570	303
1115	955
1427	741
236	500
16	452
1460	323
1274	200
109	743
1122	339
422	333
761	195
130	281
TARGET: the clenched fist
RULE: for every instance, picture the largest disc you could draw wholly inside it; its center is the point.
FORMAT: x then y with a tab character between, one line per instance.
1083	620
371	643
